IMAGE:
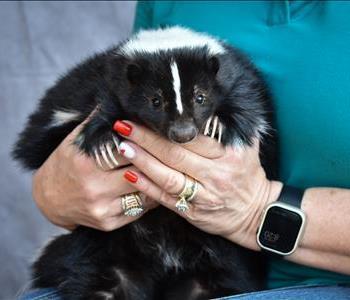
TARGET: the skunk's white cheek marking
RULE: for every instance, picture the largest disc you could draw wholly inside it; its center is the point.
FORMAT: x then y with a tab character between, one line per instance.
61	117
177	86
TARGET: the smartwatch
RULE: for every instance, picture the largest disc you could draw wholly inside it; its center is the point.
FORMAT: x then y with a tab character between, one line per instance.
282	223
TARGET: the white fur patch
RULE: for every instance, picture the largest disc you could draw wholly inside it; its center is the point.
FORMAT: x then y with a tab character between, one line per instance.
176	85
106	295
263	128
61	117
120	275
171	258
153	41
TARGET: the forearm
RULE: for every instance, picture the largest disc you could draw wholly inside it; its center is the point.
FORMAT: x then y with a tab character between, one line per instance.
325	243
328	220
321	259
326	240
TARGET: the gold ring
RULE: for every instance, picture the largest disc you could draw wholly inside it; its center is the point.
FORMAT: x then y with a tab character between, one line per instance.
188	193
132	205
190	189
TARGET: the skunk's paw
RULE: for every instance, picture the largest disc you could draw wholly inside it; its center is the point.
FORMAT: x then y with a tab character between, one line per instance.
101	143
105	154
214	128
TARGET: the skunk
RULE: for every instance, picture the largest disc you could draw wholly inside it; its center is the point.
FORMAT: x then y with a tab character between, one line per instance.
171	80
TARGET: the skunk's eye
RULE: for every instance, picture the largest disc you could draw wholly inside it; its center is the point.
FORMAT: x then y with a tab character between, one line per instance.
200	98
156	102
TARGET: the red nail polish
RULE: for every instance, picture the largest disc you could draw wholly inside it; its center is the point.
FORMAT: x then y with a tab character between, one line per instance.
122	128
131	176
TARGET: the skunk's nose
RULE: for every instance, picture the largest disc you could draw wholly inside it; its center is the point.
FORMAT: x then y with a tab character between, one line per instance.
183	132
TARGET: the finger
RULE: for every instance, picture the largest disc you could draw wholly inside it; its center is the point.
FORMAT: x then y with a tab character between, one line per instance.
250	151
173	155
206	146
143	184
69	140
150	189
166	178
114	222
110	223
69	227
118	218
256	145
71	137
110	185
116	206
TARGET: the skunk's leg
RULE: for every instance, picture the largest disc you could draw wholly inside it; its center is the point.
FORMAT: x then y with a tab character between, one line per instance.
122	283
187	287
98	140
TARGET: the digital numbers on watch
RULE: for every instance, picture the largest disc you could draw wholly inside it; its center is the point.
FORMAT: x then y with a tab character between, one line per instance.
281	228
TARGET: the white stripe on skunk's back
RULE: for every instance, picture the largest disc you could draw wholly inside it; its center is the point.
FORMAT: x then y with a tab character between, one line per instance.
153	41
60	117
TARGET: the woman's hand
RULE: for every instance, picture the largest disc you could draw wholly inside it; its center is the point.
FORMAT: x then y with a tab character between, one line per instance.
70	190
233	187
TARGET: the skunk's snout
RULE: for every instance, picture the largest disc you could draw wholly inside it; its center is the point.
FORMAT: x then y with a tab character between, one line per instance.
183	132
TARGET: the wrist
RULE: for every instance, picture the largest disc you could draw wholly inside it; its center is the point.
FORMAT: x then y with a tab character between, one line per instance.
40	196
246	236
271	195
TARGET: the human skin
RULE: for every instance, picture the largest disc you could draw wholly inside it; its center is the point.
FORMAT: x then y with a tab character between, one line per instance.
233	192
71	190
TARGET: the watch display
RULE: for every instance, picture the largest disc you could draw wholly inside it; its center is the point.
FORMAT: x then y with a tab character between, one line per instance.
281	228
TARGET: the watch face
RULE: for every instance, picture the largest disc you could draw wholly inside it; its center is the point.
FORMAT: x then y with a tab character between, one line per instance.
280	229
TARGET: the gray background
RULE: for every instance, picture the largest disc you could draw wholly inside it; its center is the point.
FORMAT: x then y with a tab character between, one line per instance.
39	41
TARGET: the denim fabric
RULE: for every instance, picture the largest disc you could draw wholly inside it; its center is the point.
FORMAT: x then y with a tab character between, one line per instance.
42	294
289	293
297	293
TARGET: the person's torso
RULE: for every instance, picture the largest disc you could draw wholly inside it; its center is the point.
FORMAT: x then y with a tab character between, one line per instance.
302	49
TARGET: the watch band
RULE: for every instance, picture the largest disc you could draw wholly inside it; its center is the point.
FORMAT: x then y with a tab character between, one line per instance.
291	195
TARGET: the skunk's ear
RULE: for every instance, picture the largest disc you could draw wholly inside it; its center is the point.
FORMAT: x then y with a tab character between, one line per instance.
134	73
214	65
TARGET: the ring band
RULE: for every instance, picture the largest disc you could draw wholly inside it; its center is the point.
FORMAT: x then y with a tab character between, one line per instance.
190	189
188	193
132	204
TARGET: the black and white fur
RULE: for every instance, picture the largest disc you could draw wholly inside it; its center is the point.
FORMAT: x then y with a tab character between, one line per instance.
171	80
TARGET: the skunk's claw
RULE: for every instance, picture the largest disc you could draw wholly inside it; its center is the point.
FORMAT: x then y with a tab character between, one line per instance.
214	128
105	154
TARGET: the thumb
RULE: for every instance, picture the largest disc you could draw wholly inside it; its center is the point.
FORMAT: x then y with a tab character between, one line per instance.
75	132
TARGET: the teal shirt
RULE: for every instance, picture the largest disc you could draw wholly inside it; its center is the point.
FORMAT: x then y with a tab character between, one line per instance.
303	51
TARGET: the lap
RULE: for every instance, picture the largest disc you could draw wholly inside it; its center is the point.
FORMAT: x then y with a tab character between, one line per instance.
41	294
311	292
300	292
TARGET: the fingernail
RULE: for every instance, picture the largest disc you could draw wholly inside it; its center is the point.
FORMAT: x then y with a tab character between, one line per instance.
126	150
122	128
131	176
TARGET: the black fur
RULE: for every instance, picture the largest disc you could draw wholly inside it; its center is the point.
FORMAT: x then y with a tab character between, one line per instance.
160	256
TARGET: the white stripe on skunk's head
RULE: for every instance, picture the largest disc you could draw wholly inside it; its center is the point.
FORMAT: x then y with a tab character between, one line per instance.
177	86
172	92
174	71
172	80
176	37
